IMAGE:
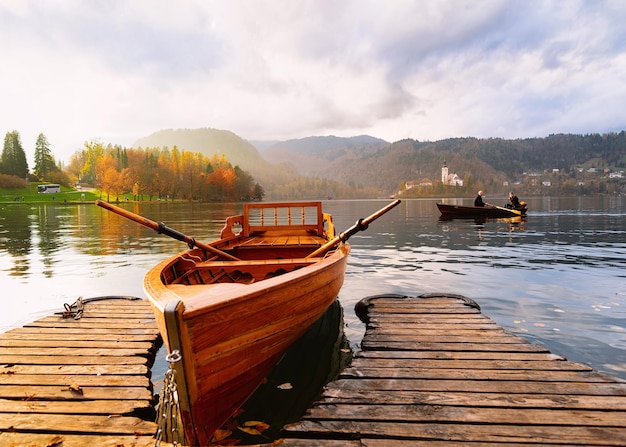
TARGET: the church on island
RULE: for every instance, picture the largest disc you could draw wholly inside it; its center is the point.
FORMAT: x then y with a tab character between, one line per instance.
450	179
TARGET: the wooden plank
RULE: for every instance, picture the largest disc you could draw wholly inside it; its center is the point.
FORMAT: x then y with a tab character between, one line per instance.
458	355
68	440
77	352
43	359
541	366
476	337
504	434
71	407
79	336
112	315
461	398
65	392
452	414
411	318
96	323
485	386
89	368
148	332
434	346
81	379
435	324
60	423
143	346
473	374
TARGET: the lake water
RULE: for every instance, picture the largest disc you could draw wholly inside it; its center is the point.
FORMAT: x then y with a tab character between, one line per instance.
557	278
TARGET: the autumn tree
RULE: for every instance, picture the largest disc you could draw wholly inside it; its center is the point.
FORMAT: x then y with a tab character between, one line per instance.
167	175
94	151
163	173
75	166
106	175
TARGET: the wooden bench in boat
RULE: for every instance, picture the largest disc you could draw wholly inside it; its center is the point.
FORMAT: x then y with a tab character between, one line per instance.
248	271
279	220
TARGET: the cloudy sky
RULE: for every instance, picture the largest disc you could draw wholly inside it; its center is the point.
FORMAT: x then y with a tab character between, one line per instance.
115	71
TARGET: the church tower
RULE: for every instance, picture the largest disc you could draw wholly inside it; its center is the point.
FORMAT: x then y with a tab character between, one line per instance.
444	173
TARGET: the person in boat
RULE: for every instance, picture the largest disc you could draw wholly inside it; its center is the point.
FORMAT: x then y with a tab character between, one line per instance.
514	202
478	201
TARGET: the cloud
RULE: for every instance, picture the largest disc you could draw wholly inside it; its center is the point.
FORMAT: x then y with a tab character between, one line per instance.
117	70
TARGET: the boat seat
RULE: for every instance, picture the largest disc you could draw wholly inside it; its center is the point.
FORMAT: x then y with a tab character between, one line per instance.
254	264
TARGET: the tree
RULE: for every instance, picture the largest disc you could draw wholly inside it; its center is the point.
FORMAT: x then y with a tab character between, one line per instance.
13	160
259	192
244	184
44	161
94	151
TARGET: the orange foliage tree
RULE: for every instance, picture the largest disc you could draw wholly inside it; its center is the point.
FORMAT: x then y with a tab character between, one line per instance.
162	173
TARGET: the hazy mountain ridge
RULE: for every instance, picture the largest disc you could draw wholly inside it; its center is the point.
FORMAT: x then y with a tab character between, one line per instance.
374	164
323	156
206	141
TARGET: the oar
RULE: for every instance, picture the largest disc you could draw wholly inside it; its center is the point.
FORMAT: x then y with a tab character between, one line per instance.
360	225
519	213
161	228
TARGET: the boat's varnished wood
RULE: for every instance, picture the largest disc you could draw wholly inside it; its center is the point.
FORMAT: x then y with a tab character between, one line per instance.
434	371
80	382
238	317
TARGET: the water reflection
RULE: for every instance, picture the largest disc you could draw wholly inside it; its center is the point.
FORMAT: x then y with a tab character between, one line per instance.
288	391
16	239
557	276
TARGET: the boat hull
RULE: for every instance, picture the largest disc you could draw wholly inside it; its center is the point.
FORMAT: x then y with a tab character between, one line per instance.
230	336
458	211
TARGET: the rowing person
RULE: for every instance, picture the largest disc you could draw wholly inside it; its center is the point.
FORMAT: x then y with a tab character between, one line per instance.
513	202
478	201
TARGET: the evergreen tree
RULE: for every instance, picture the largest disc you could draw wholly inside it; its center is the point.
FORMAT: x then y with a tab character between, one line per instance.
13	160
44	161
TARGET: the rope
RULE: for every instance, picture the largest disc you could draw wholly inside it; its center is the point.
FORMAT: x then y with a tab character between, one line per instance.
77	308
75	314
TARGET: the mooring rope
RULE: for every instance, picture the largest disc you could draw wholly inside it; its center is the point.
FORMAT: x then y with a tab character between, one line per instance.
77	308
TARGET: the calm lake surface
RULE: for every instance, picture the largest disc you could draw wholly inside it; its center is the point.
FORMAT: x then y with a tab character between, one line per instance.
557	278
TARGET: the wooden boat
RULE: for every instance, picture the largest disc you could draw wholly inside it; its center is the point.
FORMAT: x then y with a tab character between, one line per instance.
231	308
458	211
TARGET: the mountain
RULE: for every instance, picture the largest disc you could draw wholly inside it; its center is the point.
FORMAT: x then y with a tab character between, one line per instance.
208	142
365	166
323	156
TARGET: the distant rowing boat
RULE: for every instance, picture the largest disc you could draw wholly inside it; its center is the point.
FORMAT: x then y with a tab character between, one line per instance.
459	211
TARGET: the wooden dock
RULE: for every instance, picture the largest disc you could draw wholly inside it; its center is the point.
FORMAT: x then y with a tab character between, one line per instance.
434	371
80	382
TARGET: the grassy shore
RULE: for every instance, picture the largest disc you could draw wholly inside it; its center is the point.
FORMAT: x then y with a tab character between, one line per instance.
30	195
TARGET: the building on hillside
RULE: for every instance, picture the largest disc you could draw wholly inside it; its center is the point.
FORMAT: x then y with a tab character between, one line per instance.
450	179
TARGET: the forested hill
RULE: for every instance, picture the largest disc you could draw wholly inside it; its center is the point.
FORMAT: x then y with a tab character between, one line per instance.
492	161
208	142
316	156
369	166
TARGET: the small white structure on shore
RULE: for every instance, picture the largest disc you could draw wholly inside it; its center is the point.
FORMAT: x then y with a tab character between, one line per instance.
450	179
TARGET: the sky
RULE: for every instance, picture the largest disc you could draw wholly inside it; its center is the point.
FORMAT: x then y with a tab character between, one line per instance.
114	71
